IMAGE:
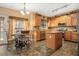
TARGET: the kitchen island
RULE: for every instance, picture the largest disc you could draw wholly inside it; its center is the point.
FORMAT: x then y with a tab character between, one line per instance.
53	40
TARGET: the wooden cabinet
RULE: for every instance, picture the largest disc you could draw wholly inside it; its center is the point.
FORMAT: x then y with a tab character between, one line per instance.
71	20
75	36
71	36
68	21
49	22
37	20
36	35
74	20
53	40
67	35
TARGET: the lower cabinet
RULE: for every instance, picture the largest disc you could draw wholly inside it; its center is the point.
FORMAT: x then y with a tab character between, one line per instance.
75	36
36	35
71	36
53	40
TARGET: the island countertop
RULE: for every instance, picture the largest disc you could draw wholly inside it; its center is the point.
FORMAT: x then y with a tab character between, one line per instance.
52	32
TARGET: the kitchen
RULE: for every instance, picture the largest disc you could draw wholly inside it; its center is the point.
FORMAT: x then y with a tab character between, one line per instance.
51	34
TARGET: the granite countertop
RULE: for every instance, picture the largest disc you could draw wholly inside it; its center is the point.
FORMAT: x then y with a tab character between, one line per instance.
52	32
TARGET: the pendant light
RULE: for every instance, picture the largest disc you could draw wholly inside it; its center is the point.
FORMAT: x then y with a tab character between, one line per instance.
24	12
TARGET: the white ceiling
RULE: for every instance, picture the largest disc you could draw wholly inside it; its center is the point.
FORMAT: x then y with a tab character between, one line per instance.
42	8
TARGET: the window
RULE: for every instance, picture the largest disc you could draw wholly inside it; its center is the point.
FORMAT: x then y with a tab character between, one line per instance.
19	25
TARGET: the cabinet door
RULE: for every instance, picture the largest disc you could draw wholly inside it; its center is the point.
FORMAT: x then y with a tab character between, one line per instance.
58	40
68	21
37	20
49	23
36	35
75	36
67	36
53	22
74	20
62	19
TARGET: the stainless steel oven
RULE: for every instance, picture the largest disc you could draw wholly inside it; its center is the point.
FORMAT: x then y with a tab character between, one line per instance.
42	35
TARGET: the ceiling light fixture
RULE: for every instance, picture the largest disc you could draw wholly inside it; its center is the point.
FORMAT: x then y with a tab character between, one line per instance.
27	12
24	12
61	7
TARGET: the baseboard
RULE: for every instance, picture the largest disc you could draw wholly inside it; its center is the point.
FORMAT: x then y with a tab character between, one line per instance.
71	41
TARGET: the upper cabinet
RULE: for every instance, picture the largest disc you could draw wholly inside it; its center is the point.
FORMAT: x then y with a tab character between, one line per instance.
56	21
40	22
49	22
37	20
52	22
74	19
69	20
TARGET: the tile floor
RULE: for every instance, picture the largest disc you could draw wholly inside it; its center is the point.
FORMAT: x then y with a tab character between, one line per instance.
39	49
68	49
